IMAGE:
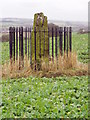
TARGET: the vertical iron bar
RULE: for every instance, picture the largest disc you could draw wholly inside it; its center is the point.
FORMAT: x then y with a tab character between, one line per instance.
30	50
26	41
70	38
56	42
21	47
22	43
64	40
48	42
19	50
17	43
52	46
67	41
56	46
10	42
35	45
61	39
14	43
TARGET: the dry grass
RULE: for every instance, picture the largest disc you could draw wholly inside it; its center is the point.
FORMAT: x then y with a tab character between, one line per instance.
64	63
62	66
12	70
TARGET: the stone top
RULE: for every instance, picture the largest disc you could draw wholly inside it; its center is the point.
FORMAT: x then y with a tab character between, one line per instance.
40	20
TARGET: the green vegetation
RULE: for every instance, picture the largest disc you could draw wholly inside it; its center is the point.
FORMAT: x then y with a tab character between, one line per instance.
60	97
5	52
79	44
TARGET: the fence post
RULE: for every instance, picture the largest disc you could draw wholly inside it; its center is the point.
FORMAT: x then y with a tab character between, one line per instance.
52	46
10	42
35	45
17	43
22	43
64	40
26	41
21	47
14	43
19	50
70	38
67	41
61	39
48	44
30	50
56	42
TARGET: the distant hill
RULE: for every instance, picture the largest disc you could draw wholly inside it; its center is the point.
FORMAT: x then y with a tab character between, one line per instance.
5	23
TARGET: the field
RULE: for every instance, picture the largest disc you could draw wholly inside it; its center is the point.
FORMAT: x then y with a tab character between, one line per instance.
79	45
60	97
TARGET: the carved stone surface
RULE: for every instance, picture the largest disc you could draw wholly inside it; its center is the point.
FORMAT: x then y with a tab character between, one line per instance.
40	23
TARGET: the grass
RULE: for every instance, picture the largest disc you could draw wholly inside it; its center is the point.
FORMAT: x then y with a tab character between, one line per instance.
62	97
5	52
79	45
62	66
59	97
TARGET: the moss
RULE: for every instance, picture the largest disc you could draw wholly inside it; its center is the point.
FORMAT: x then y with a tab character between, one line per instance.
40	23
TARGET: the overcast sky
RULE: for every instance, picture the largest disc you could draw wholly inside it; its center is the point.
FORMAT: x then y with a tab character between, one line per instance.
70	10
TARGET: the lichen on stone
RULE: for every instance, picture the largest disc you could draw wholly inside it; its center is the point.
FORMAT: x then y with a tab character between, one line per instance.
41	26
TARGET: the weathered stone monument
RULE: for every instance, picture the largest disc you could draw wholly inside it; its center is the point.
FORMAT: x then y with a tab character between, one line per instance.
40	26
